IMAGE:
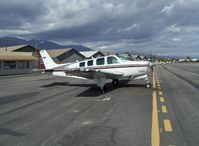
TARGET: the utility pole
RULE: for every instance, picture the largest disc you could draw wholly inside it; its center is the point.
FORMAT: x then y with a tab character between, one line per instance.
6	48
35	43
150	55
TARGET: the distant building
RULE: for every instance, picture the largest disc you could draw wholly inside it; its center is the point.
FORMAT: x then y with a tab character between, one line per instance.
126	55
90	54
108	53
65	55
19	48
182	60
194	59
136	57
143	58
18	59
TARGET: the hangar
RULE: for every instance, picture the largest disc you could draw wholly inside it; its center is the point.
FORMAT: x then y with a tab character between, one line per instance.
90	54
125	55
65	55
144	58
18	59
19	48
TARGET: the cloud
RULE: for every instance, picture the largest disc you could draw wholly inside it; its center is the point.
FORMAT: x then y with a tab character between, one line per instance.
17	13
106	24
174	28
167	9
176	39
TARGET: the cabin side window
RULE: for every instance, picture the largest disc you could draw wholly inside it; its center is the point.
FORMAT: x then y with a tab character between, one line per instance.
100	61
90	63
112	60
81	64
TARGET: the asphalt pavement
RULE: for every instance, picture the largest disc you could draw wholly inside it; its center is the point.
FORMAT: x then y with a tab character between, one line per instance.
41	110
179	84
45	110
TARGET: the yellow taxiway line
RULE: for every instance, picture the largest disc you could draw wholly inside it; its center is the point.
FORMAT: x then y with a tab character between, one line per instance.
155	134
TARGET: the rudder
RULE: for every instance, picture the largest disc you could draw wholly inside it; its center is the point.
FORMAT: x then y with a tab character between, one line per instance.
47	60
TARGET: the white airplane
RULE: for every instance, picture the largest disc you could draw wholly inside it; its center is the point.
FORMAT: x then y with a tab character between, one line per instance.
100	69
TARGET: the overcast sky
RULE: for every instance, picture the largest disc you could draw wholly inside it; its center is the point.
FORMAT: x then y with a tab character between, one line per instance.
168	27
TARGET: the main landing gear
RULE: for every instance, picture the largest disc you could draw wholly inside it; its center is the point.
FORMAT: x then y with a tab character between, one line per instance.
101	83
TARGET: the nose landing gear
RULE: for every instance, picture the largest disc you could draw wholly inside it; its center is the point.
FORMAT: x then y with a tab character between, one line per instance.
148	84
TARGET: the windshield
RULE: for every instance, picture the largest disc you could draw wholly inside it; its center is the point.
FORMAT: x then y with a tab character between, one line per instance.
112	60
122	58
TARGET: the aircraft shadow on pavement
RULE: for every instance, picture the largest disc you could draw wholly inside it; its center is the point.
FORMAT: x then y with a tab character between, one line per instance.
55	84
93	90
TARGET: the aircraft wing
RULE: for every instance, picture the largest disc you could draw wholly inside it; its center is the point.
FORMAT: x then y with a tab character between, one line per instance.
89	73
42	70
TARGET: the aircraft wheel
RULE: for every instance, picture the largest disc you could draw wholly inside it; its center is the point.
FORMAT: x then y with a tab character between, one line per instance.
148	85
115	82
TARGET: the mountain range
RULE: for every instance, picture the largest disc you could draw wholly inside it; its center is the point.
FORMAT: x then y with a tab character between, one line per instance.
40	44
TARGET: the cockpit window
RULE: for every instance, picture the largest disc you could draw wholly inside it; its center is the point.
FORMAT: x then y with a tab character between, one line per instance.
122	58
90	63
112	60
100	61
81	64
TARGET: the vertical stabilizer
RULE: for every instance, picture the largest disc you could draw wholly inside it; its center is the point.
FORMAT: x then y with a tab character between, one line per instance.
47	60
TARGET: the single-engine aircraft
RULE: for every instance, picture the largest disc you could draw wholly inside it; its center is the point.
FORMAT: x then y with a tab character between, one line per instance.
100	69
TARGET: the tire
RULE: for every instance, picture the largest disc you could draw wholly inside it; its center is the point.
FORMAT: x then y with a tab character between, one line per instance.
115	82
